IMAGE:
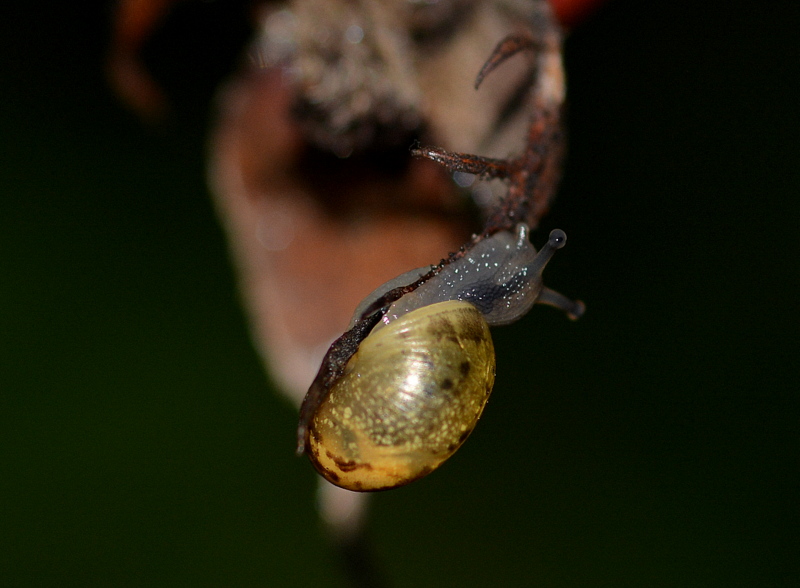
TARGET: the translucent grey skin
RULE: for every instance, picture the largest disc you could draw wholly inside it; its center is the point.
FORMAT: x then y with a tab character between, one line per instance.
501	276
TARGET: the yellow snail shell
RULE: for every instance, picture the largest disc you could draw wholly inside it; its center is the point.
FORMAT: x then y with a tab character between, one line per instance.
407	399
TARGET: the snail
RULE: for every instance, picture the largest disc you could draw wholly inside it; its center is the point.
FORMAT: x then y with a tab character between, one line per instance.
394	408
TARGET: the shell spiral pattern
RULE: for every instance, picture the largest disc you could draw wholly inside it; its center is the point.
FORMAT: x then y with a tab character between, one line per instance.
407	400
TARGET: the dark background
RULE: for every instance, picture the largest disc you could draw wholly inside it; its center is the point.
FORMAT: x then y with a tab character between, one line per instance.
652	443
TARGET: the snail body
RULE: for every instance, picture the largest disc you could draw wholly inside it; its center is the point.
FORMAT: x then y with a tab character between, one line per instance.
416	386
500	276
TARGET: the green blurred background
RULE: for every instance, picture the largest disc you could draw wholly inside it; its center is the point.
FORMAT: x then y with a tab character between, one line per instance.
652	443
